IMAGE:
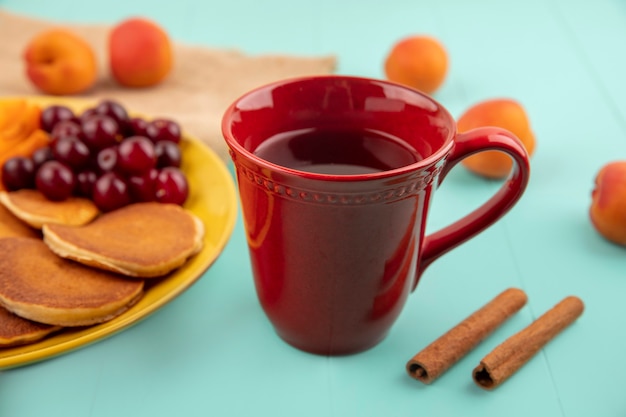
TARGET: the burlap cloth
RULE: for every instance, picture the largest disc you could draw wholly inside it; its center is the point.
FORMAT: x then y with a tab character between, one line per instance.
203	83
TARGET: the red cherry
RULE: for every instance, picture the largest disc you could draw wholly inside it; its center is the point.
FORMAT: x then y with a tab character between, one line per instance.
85	181
171	186
106	160
52	115
100	131
71	151
142	187
110	192
135	155
163	129
114	110
168	154
87	113
17	173
55	180
138	126
42	155
66	128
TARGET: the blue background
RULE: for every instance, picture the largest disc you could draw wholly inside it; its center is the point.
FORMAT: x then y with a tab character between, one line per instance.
212	352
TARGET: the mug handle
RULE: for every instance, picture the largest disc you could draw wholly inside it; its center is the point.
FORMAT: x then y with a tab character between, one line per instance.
466	144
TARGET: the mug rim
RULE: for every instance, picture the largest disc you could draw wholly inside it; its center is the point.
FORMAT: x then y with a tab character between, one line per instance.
429	161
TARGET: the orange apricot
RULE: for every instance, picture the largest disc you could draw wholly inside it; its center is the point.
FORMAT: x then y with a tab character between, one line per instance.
608	202
140	53
27	146
419	62
20	129
11	110
59	62
504	113
18	119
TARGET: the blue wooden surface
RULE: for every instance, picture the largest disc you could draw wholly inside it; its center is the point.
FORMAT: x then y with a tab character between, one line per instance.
212	352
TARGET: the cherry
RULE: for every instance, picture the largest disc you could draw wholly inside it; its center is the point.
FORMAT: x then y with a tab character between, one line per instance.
87	114
138	126
100	131
18	172
117	112
106	160
142	187
171	186
42	155
55	180
136	155
66	128
51	115
71	151
85	181
112	109
110	192
163	129
168	154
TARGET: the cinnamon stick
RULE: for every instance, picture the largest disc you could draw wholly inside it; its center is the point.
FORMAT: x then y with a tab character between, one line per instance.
436	358
508	357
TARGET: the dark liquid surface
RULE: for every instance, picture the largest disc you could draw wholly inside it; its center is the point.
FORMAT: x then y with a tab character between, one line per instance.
336	152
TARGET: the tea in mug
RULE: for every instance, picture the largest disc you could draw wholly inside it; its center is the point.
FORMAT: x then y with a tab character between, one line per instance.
336	151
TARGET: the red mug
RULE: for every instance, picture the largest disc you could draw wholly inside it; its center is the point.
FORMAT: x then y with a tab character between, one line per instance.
335	178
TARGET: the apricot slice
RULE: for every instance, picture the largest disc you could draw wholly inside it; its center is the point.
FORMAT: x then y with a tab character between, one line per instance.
20	120
10	111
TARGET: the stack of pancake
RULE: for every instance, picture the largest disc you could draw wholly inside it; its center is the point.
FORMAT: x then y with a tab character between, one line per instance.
63	264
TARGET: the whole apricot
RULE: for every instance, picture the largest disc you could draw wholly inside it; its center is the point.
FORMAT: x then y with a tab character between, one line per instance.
419	62
140	53
59	62
504	113
608	202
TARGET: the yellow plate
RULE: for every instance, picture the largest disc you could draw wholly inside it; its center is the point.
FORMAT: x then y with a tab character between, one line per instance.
212	198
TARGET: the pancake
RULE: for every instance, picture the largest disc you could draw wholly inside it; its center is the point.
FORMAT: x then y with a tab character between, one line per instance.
11	226
15	330
33	208
140	240
38	285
